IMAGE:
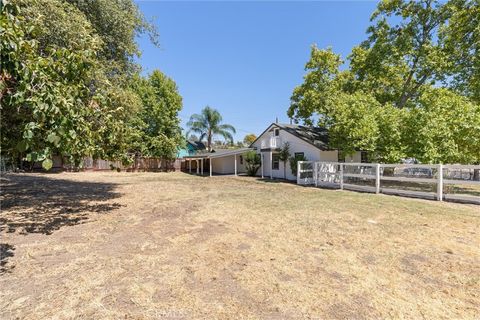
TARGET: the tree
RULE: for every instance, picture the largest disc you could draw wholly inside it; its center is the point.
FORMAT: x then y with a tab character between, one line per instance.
445	129
46	103
402	55
382	101
66	76
252	162
249	139
208	124
319	84
283	156
159	125
461	40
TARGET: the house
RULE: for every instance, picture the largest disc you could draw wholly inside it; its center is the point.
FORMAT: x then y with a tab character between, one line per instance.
191	148
310	142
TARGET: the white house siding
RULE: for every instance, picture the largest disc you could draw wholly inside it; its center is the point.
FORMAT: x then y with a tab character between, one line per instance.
226	165
311	152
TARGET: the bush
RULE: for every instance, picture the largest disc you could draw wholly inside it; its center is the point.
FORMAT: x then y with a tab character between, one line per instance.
252	162
294	163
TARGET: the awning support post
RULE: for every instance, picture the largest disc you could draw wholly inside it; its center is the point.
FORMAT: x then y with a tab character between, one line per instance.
261	159
235	164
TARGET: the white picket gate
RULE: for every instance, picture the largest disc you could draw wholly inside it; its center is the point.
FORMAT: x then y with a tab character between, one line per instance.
449	182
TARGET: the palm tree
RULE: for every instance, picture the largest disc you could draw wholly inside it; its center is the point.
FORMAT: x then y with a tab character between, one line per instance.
207	124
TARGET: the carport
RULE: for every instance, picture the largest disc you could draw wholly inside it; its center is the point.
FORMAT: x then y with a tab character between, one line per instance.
227	161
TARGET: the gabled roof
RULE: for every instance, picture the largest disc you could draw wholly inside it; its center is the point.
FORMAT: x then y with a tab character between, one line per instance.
316	136
197	145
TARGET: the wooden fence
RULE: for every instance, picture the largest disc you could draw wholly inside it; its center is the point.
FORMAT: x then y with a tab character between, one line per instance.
432	181
139	164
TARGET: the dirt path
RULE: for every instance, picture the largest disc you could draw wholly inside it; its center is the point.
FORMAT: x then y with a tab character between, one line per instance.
174	246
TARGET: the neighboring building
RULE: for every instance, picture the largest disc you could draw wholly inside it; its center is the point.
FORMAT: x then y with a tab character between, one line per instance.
191	148
311	142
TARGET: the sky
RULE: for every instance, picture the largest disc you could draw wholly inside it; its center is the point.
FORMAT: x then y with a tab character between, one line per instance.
245	58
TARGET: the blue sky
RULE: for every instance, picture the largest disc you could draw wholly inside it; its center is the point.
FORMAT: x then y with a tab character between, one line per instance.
245	58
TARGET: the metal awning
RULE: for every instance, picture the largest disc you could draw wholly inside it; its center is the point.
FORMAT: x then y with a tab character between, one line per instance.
218	154
215	155
228	152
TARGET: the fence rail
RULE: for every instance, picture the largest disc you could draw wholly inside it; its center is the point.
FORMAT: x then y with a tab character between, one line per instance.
432	181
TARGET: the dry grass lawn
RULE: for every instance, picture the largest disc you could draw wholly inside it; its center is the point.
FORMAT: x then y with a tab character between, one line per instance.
174	246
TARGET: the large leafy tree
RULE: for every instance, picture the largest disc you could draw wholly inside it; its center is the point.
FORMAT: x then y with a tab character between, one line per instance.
209	124
402	53
46	103
67	69
390	91
159	132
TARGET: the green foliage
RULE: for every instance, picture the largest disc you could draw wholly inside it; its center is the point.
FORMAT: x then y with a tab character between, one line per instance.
389	94
294	163
445	129
208	124
283	156
252	163
66	83
461	40
46	104
158	126
352	122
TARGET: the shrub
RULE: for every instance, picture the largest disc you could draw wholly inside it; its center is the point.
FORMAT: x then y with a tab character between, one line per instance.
294	163
252	162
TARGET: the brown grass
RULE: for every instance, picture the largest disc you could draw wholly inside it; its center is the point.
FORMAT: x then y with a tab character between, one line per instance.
174	246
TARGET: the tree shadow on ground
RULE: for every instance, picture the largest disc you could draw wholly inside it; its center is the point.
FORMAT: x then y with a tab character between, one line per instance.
6	251
43	204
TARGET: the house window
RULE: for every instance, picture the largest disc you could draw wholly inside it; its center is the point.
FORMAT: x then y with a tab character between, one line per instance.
363	157
275	162
241	159
341	156
299	155
276	132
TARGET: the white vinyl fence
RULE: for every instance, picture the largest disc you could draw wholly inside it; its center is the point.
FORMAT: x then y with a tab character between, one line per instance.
432	181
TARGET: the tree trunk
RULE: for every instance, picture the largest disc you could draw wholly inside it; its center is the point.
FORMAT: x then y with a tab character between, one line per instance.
476	174
209	141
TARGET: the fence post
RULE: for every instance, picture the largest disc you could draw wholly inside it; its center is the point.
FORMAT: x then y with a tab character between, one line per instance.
299	164
440	183
377	178
341	176
315	173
